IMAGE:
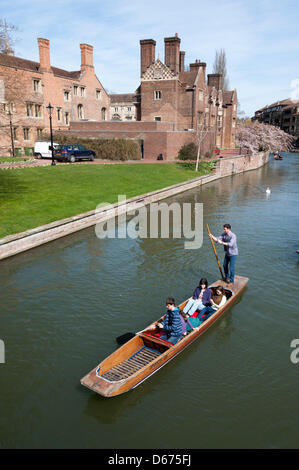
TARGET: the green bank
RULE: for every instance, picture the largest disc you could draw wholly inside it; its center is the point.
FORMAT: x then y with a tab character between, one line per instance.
36	196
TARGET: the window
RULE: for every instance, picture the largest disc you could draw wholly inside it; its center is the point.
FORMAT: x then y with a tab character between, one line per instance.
66	119
103	113
157	118
129	118
80	111
37	111
115	110
75	90
15	133
82	91
36	85
98	94
158	95
129	108
8	107
29	109
66	95
58	114
219	121
26	132
39	133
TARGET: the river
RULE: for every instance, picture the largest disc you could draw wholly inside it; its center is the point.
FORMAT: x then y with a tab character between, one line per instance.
63	304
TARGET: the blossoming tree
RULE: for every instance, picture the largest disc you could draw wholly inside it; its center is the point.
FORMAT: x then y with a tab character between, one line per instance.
257	137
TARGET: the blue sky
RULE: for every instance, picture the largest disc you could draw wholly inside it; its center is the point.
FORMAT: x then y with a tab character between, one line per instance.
260	37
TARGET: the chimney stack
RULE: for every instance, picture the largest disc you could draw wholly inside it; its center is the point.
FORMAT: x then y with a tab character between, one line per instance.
86	56
215	79
44	53
172	53
182	61
147	54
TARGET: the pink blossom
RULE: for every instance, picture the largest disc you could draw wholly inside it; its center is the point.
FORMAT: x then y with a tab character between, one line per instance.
258	137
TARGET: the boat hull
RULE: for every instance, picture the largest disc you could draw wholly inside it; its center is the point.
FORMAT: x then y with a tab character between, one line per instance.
103	379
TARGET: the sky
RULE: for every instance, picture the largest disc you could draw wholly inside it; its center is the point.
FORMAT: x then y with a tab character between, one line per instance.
260	38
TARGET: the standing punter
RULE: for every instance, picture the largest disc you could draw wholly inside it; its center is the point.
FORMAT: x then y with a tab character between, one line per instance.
229	241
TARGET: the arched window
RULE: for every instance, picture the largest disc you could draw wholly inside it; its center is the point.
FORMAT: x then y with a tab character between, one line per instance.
103	114
80	111
116	117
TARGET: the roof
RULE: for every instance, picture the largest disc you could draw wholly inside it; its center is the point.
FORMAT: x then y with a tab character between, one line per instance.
18	62
227	97
188	78
286	102
122	98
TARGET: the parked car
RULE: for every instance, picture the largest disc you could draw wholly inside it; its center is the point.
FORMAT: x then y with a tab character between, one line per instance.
43	149
71	153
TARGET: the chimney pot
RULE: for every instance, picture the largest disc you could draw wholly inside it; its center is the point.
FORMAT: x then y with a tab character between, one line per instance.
44	53
86	56
147	54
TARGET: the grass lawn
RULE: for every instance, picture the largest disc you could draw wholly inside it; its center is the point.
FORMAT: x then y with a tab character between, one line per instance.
36	196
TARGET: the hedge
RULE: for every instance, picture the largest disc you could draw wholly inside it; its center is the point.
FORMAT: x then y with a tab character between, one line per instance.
105	149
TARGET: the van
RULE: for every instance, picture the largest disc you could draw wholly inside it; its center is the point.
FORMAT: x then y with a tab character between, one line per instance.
43	149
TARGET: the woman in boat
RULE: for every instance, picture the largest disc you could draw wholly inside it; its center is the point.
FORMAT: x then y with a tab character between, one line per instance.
172	324
217	301
201	298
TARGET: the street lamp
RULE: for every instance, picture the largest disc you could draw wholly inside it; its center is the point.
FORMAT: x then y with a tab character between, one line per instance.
50	111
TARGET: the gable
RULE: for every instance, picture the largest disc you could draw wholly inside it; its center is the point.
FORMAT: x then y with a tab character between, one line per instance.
158	71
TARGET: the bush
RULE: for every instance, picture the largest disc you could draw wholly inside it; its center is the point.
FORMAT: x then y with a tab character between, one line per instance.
105	149
188	152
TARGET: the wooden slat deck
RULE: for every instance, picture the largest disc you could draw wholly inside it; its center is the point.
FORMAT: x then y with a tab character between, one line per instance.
128	367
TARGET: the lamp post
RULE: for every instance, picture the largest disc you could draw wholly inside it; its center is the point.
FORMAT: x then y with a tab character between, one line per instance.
11	134
50	111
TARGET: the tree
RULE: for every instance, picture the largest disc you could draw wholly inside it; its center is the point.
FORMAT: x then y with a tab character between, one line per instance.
6	36
258	137
220	67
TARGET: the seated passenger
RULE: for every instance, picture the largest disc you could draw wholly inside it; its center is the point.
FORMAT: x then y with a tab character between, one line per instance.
183	321
172	324
217	301
200	299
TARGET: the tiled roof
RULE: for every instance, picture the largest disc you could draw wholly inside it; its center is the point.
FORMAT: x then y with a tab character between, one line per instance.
277	103
227	97
123	98
188	77
18	62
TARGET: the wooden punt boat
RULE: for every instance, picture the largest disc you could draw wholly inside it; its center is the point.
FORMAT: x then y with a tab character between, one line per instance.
143	355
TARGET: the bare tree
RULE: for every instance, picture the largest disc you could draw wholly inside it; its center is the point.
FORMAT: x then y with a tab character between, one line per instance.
202	131
7	40
220	67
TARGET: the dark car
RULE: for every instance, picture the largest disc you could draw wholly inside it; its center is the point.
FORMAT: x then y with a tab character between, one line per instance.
71	153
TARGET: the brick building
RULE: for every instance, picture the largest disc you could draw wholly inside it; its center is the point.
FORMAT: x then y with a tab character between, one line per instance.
169	92
182	103
123	107
27	87
173	105
284	114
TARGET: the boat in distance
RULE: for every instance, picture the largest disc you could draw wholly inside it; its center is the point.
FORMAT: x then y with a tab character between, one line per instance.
145	354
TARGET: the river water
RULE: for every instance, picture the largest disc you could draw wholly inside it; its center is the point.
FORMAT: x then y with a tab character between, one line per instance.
63	304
